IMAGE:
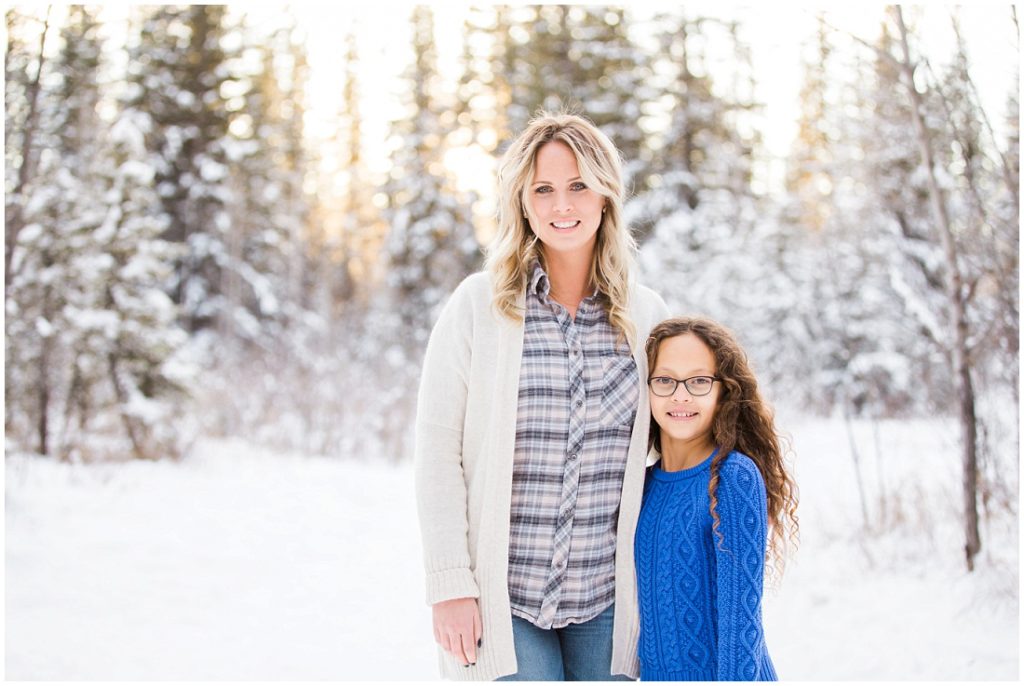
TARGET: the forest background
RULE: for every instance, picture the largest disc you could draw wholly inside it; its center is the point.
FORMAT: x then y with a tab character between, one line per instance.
198	247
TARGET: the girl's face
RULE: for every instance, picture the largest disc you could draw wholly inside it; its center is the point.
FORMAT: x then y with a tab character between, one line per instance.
564	213
685	419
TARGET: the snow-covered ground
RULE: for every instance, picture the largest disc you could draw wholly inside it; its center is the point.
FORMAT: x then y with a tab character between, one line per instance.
241	564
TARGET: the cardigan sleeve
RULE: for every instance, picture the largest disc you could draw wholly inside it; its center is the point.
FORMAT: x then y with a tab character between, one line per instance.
441	492
742	510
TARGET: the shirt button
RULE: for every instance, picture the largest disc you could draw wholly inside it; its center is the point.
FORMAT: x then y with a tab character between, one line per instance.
573	456
579	403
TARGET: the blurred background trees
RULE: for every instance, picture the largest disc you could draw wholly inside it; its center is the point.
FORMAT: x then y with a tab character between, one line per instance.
184	257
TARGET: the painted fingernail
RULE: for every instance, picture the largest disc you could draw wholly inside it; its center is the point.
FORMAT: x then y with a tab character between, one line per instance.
479	642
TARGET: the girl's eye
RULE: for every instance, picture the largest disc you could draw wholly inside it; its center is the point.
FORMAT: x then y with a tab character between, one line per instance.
700	381
663	381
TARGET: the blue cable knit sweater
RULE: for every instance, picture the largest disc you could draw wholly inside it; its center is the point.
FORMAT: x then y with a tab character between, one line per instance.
700	601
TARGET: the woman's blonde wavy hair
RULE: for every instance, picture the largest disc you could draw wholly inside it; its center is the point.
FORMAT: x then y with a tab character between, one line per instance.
514	250
743	421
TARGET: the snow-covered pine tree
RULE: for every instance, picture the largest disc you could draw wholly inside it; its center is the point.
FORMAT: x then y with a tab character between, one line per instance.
25	62
918	178
700	212
521	59
177	72
986	209
91	333
482	90
610	79
262	272
150	376
430	246
983	215
845	341
34	208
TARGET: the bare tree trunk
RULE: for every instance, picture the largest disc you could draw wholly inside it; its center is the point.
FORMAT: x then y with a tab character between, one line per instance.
75	399
883	497
230	281
956	295
131	426
855	454
13	215
43	396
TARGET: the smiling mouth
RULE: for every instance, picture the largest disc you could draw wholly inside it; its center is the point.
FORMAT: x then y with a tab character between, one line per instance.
565	225
682	415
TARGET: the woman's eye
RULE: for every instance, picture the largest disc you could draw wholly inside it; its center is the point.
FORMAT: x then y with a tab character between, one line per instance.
579	186
542	189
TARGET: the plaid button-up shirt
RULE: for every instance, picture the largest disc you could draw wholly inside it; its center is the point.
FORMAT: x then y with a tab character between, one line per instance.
578	394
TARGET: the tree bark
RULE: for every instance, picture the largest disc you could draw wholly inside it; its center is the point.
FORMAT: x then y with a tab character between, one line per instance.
136	433
855	454
43	396
956	296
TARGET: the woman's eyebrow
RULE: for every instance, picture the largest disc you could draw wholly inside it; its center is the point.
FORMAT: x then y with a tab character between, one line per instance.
575	178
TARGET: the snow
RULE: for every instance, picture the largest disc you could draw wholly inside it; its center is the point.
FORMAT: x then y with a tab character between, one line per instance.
234	564
238	563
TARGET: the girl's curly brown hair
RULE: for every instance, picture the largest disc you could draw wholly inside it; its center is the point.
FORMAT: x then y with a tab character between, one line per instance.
743	421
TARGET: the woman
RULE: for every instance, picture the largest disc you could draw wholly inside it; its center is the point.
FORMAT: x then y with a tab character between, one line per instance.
531	428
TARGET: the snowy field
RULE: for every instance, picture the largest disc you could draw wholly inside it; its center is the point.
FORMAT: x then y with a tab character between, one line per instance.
240	564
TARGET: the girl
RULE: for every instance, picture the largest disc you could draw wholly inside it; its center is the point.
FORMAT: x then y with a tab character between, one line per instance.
707	509
531	427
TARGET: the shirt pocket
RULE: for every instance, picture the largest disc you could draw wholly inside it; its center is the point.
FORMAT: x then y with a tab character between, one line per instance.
620	391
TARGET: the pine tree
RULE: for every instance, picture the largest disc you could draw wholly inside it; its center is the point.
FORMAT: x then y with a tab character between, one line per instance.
88	326
610	79
808	177
917	191
177	72
24	65
261	273
700	215
430	245
521	59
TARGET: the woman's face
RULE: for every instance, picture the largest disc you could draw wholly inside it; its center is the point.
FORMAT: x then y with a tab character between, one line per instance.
684	418
564	213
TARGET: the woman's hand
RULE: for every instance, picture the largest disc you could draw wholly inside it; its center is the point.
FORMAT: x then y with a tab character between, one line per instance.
457	628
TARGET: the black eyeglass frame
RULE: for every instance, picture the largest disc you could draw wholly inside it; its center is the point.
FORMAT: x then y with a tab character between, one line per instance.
686	385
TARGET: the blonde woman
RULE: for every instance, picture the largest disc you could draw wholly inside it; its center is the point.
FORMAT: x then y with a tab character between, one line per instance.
532	427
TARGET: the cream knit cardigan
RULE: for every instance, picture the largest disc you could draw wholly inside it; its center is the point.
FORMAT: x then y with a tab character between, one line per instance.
465	437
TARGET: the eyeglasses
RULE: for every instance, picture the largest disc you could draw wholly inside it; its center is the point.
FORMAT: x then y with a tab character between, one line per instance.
664	386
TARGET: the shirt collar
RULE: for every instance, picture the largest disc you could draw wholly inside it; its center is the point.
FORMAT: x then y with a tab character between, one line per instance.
540	284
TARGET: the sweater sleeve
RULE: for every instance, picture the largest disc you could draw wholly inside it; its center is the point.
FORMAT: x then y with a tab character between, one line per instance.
742	510
654	312
441	494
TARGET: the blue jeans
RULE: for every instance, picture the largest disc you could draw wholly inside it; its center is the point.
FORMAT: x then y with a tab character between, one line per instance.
577	652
